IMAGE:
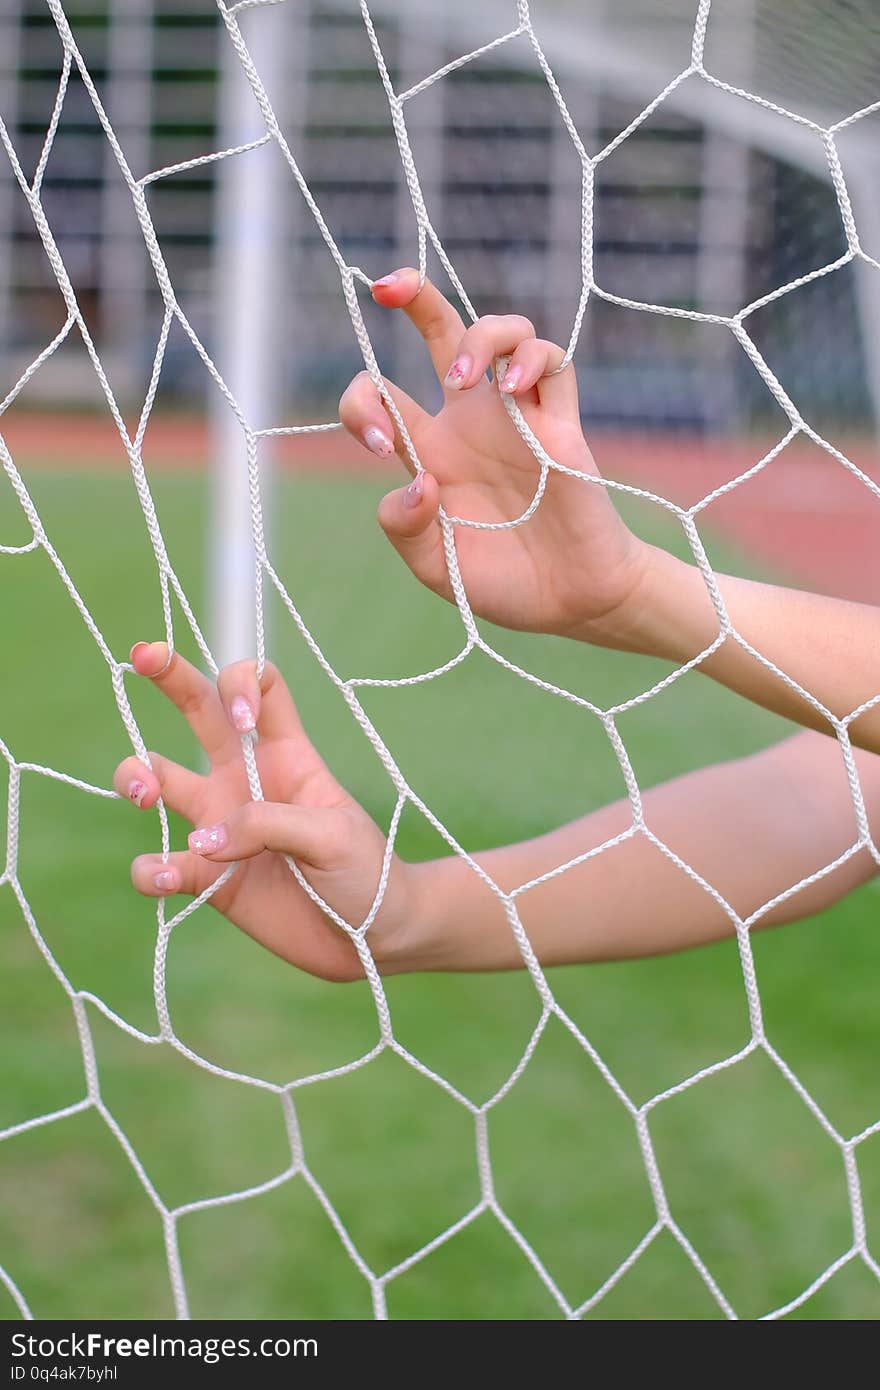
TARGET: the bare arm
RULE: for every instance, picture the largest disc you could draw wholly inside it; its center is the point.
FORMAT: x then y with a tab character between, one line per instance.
827	645
752	828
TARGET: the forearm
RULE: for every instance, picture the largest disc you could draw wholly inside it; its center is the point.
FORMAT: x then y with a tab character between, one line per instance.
828	646
751	828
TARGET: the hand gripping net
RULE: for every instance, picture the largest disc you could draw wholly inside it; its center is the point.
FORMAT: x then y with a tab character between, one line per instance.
692	70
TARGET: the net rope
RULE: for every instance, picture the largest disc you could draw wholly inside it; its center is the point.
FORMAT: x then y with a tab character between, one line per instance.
351	277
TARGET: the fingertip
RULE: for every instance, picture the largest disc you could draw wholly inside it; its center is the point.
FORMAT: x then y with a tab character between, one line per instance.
241	695
512	381
378	441
396	288
208	840
138	655
137	784
384	281
460	375
242	714
430	490
407	510
154	878
413	494
166	881
142	794
150	658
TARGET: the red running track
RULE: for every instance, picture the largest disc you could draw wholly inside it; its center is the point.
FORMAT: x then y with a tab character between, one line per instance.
804	516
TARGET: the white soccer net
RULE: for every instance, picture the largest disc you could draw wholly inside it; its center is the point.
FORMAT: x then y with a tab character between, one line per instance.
352	278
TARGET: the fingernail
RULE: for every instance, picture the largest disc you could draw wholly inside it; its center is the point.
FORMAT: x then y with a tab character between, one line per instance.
377	441
389	279
136	793
208	840
140	647
242	715
166	881
459	371
412	495
511	379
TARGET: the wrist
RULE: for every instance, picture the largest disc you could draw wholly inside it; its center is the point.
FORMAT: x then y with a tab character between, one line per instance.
450	921
417	941
666	611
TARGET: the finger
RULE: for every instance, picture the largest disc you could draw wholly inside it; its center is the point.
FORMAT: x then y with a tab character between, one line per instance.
156	877
535	363
490	337
314	835
367	418
264	703
439	323
190	690
180	789
408	516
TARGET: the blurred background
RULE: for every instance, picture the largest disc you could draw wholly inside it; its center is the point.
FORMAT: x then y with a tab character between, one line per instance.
711	203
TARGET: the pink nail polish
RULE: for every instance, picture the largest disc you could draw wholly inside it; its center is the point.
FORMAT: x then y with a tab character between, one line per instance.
378	442
208	840
390	279
412	495
136	793
511	379
242	715
166	881
459	372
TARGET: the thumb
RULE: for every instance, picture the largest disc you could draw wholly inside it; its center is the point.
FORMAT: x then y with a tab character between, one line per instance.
408	516
317	835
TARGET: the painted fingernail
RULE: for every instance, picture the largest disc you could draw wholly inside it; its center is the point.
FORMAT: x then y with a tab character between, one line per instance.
140	648
378	442
166	881
390	279
459	371
136	792
511	379
242	715
208	840
412	495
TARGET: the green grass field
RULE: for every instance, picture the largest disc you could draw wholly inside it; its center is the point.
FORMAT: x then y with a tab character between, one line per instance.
752	1179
